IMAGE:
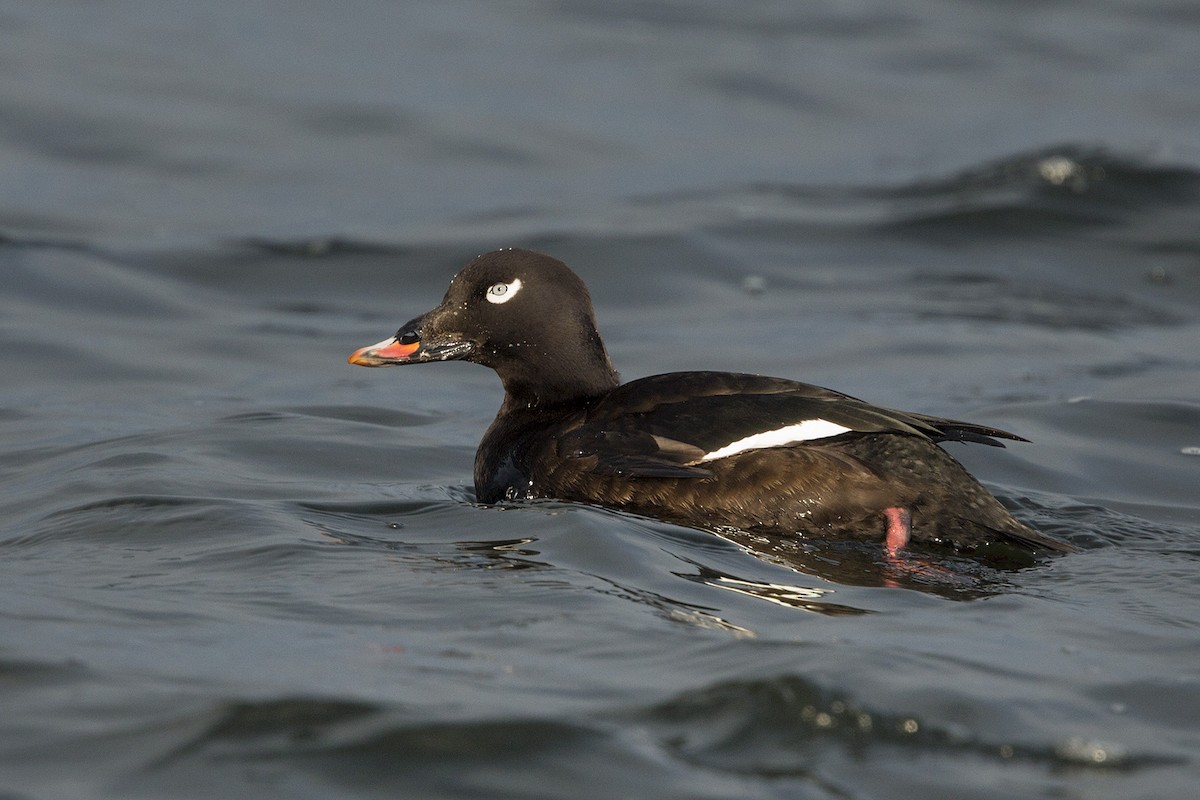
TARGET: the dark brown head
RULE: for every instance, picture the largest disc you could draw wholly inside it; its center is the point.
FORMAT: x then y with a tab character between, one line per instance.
525	315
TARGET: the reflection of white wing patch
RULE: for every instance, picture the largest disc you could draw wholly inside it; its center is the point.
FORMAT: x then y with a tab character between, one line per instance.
503	292
789	434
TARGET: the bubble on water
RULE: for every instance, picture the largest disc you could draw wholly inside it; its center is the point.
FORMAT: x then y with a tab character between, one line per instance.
1063	171
754	284
1158	276
1081	750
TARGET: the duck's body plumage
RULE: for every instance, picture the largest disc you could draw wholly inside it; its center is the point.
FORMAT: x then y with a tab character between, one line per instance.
707	449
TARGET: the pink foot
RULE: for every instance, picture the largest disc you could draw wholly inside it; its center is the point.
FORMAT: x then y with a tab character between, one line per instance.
899	529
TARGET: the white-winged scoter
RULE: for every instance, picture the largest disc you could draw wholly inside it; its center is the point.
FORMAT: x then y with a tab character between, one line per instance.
704	449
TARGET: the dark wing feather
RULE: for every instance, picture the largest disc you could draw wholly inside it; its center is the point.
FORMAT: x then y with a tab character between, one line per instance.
631	452
953	430
661	426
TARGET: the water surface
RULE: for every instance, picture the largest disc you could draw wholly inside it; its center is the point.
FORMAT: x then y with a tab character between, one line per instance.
234	564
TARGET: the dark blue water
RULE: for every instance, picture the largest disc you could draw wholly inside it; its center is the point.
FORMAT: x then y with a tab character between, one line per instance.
232	565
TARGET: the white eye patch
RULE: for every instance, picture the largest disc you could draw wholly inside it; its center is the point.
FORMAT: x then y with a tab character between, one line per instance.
789	434
503	292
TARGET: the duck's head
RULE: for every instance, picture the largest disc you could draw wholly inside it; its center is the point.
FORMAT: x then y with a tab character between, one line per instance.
525	315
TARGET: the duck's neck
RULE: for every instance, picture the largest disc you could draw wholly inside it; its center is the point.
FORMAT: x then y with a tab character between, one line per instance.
573	375
548	389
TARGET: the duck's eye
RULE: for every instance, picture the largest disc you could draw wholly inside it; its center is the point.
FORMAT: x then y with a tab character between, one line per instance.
503	292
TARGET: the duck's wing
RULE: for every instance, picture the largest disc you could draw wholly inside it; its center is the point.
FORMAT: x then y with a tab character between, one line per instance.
671	426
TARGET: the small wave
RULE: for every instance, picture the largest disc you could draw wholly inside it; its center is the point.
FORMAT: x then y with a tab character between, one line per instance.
790	725
130	519
370	415
1062	188
338	745
323	247
1059	186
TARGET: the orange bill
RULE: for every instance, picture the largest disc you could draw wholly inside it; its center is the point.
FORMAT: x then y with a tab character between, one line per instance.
382	354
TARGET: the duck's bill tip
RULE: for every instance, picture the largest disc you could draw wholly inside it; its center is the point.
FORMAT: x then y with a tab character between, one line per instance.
389	352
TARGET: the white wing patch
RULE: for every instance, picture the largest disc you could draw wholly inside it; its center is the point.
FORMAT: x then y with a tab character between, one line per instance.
789	434
503	292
